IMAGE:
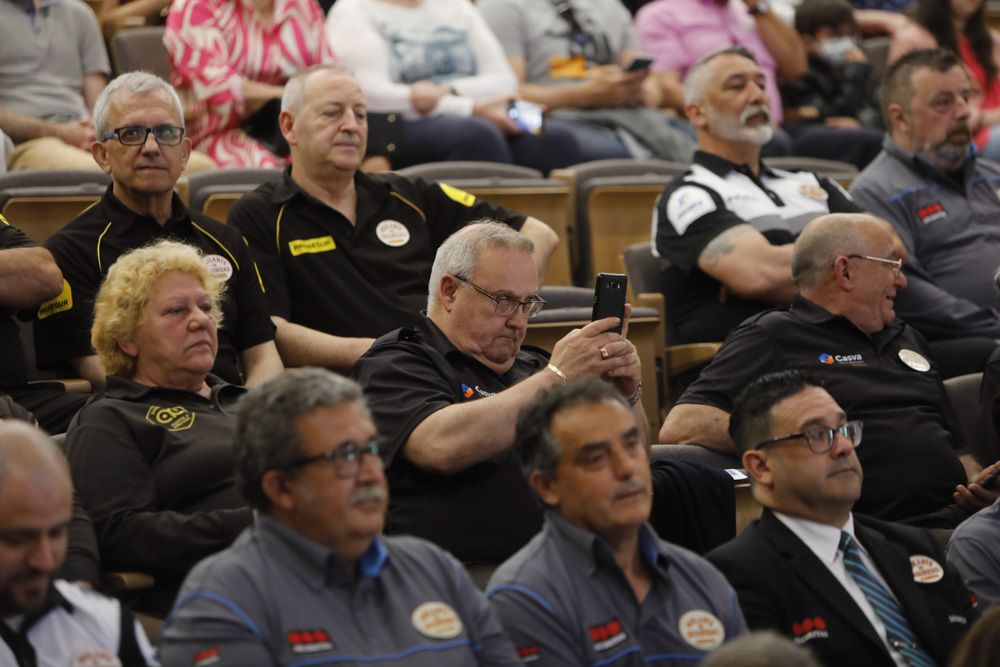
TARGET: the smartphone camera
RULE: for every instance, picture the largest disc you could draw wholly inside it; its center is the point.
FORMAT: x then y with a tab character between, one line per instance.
528	116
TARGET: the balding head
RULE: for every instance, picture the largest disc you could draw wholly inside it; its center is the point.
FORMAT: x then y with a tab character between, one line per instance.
36	499
827	237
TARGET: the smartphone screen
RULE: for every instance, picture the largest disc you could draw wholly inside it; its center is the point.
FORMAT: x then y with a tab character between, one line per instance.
526	115
609	298
639	63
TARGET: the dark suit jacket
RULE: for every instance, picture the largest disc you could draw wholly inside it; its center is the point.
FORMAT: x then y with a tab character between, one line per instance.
783	586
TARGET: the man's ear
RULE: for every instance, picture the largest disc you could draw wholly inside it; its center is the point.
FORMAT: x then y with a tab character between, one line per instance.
757	467
448	290
286	121
100	153
695	112
897	119
843	273
546	487
274	486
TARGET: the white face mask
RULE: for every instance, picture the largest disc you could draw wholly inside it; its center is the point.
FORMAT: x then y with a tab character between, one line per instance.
836	48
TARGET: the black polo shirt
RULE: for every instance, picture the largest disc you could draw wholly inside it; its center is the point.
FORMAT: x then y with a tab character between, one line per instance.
85	249
13	367
361	280
712	196
154	468
911	434
487	511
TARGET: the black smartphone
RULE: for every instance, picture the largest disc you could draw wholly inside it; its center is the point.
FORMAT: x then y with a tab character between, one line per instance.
609	298
991	480
639	63
529	117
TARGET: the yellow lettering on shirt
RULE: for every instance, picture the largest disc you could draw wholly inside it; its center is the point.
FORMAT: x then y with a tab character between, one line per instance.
568	67
461	196
311	246
60	304
174	418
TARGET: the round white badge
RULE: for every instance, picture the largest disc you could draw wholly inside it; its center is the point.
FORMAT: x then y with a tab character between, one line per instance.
813	192
392	233
436	620
701	629
926	570
218	266
914	360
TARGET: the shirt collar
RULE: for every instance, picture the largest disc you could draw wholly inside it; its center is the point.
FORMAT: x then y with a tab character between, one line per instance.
316	564
53	599
720	166
287	188
822	539
591	551
126	389
812	313
928	170
121	216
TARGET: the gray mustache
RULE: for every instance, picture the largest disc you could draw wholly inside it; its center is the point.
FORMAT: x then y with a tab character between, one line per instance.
754	110
368	493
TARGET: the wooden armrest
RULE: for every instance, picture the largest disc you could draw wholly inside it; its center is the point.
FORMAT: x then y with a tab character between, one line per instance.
690	355
118	583
76	385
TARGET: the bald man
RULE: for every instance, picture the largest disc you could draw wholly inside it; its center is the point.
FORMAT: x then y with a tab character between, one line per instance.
842	326
44	621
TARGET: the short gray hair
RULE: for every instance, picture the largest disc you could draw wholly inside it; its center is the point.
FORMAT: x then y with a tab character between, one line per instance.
697	77
459	254
293	96
23	446
266	436
132	83
764	648
822	241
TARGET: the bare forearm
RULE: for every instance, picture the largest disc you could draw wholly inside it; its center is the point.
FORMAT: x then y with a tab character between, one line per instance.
784	44
23	128
260	363
556	97
256	94
546	241
302	346
90	368
112	12
28	276
692	424
443	443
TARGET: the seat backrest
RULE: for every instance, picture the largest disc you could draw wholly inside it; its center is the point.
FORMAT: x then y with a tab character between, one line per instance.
876	50
44	178
611	180
206	184
41	212
643	268
964	394
437	171
140	48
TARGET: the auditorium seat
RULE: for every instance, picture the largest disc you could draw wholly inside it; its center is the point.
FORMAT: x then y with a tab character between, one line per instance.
40	202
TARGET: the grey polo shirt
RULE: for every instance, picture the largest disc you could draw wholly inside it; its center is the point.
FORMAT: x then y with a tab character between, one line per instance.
974	550
950	225
564	601
278	598
45	55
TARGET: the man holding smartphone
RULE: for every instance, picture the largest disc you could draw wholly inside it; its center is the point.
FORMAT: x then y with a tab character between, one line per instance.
446	392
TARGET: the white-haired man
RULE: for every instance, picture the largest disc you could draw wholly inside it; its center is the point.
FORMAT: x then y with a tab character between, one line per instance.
727	224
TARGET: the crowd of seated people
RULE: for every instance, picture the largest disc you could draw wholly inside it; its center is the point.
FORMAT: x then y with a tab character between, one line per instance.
174	318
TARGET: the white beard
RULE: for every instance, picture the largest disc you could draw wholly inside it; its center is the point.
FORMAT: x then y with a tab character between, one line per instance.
733	128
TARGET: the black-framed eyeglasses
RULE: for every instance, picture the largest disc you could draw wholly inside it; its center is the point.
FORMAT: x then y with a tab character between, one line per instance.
505	305
345	458
136	135
820	438
895	265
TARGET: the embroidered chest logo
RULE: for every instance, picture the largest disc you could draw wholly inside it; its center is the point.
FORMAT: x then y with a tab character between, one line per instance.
607	635
206	657
309	641
842	359
470	392
311	246
931	213
175	418
810	628
529	653
94	657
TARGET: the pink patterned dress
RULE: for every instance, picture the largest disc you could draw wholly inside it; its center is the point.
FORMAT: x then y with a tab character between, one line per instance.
216	45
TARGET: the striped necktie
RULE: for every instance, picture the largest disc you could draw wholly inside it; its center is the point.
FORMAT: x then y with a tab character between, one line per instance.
897	628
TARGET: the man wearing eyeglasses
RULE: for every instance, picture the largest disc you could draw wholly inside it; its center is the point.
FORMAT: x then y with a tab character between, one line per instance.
141	144
312	581
842	326
941	199
446	393
345	254
853	589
